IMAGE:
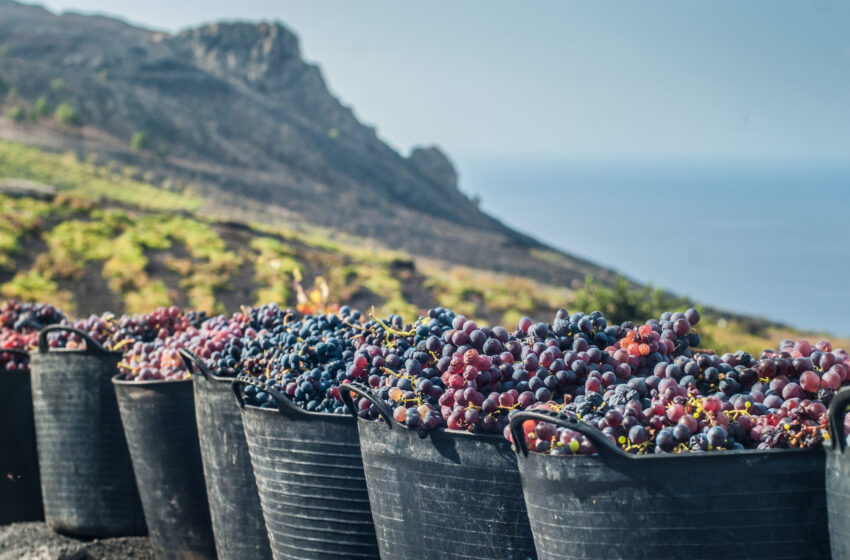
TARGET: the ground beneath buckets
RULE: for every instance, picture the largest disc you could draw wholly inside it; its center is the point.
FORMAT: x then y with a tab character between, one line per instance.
34	541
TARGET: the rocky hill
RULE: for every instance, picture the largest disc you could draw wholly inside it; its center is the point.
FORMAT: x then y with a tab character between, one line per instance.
233	111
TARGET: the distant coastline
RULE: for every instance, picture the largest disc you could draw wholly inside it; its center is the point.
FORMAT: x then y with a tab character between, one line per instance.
761	238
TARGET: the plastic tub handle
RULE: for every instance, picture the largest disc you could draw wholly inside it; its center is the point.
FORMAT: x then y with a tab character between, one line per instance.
837	410
236	386
345	390
600	442
17	351
91	344
283	402
190	359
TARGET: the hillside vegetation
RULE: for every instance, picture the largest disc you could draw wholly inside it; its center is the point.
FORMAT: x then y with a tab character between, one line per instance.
108	240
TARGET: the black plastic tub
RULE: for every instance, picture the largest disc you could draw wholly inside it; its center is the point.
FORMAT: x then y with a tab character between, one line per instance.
451	495
838	478
20	489
159	421
729	504
87	480
237	518
310	478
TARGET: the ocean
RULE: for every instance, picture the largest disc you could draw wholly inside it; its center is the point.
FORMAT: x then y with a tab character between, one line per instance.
765	239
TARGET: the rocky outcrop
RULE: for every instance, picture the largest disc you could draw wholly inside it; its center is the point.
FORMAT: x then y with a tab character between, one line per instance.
266	54
435	165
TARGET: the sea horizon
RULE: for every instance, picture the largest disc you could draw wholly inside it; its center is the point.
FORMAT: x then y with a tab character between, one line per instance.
763	238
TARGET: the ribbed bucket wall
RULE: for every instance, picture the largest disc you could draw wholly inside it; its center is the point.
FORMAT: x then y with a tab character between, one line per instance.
237	518
838	478
159	421
87	477
312	488
20	489
449	495
725	504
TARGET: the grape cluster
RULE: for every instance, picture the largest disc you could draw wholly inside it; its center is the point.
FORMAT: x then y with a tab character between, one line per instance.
13	361
239	343
307	358
657	341
153	340
150	341
101	328
648	388
463	376
28	317
19	326
707	402
485	373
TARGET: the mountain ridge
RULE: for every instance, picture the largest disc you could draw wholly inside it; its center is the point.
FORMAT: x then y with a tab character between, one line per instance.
235	111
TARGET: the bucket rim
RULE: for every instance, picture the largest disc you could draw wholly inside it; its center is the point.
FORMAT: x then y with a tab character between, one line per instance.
221	379
76	351
118	380
686	456
838	408
361	389
285	405
215	379
19	352
92	346
344	418
463	434
195	363
607	451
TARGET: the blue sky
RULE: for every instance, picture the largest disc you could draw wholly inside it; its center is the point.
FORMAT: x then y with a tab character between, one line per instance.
490	79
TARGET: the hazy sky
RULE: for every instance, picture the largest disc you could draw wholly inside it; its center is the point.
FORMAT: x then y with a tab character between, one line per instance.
756	79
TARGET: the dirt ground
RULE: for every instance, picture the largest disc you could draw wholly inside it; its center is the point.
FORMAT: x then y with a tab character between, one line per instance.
34	541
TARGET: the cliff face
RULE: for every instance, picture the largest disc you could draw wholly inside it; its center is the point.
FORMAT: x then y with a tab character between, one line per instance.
234	106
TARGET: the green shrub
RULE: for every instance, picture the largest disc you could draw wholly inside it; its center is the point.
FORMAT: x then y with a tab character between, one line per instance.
57	85
624	303
67	115
16	113
40	109
274	267
32	286
139	141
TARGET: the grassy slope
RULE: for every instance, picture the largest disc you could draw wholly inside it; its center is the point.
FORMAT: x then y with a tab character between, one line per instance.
111	241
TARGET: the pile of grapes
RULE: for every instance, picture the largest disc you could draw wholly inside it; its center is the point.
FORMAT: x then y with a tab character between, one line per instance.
19	326
648	387
306	358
